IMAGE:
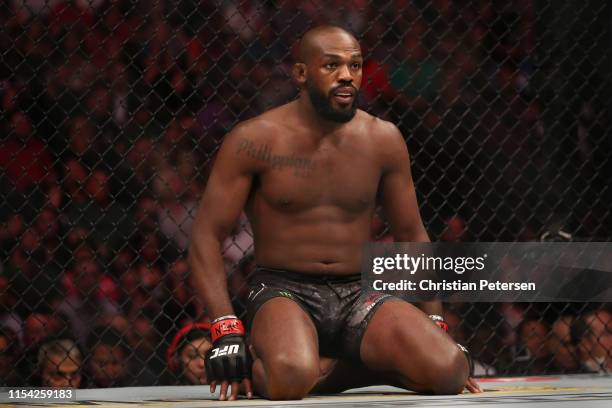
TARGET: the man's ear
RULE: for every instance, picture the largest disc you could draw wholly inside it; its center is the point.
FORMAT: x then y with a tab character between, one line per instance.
299	73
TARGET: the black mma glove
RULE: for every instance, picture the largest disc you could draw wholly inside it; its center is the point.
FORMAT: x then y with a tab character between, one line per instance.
228	359
469	358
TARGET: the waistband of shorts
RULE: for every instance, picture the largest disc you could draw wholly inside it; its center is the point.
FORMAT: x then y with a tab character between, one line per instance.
304	277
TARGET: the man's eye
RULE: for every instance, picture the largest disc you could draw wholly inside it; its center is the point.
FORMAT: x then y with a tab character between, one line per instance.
331	65
356	65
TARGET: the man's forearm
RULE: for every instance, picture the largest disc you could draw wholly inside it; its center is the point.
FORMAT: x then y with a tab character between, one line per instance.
209	278
433	307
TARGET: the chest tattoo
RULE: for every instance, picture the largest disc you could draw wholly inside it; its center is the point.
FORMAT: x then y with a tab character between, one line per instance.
301	166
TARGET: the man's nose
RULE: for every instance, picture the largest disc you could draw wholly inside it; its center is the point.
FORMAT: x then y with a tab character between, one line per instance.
344	74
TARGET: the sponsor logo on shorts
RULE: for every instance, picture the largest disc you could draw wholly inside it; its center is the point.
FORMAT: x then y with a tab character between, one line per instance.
286	294
254	293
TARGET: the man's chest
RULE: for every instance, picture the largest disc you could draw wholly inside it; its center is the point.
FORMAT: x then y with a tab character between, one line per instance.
298	179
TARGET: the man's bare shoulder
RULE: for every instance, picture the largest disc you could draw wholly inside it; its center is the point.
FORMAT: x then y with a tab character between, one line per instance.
381	132
264	127
250	142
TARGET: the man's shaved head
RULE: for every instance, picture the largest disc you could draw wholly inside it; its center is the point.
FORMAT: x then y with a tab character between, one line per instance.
329	72
316	41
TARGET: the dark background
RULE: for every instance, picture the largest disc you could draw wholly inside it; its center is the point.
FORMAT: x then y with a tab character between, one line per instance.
111	114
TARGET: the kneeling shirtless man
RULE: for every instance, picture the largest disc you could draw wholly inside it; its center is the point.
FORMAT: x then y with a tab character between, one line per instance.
308	174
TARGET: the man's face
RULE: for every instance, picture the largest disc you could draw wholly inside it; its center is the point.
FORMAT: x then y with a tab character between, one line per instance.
143	337
534	338
600	329
60	371
107	365
334	73
561	346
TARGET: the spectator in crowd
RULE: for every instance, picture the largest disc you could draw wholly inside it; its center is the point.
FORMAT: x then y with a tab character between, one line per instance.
66	13
177	209
11	228
108	364
107	220
239	244
121	261
117	321
183	305
457	330
488	331
562	347
50	230
39	325
415	72
187	351
10	352
274	89
24	158
237	282
31	272
91	293
456	230
99	107
153	247
9	318
59	363
143	287
73	183
80	142
142	160
177	281
84	143
140	126
145	221
146	344
533	353
593	334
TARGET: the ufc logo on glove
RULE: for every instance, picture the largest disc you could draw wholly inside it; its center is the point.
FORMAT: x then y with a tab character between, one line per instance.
227	350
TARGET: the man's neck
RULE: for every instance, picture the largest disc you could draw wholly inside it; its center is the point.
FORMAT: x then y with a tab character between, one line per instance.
314	120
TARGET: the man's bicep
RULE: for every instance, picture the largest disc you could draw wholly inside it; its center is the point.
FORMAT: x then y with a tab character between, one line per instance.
399	197
226	192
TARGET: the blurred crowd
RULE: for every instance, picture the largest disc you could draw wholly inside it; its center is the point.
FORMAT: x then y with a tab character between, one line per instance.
112	111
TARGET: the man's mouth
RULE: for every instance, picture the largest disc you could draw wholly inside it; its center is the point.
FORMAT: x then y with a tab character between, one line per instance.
344	94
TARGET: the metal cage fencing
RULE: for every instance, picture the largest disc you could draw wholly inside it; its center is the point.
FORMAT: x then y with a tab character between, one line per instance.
112	111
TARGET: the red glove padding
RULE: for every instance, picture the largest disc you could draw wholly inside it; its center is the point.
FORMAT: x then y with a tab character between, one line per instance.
225	327
439	320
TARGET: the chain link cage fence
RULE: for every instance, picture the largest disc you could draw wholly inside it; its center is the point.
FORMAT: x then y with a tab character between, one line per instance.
112	111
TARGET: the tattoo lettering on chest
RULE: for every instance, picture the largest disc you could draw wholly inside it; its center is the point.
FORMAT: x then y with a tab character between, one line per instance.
301	166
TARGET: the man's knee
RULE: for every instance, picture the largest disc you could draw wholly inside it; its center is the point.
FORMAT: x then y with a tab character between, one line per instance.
448	372
290	377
